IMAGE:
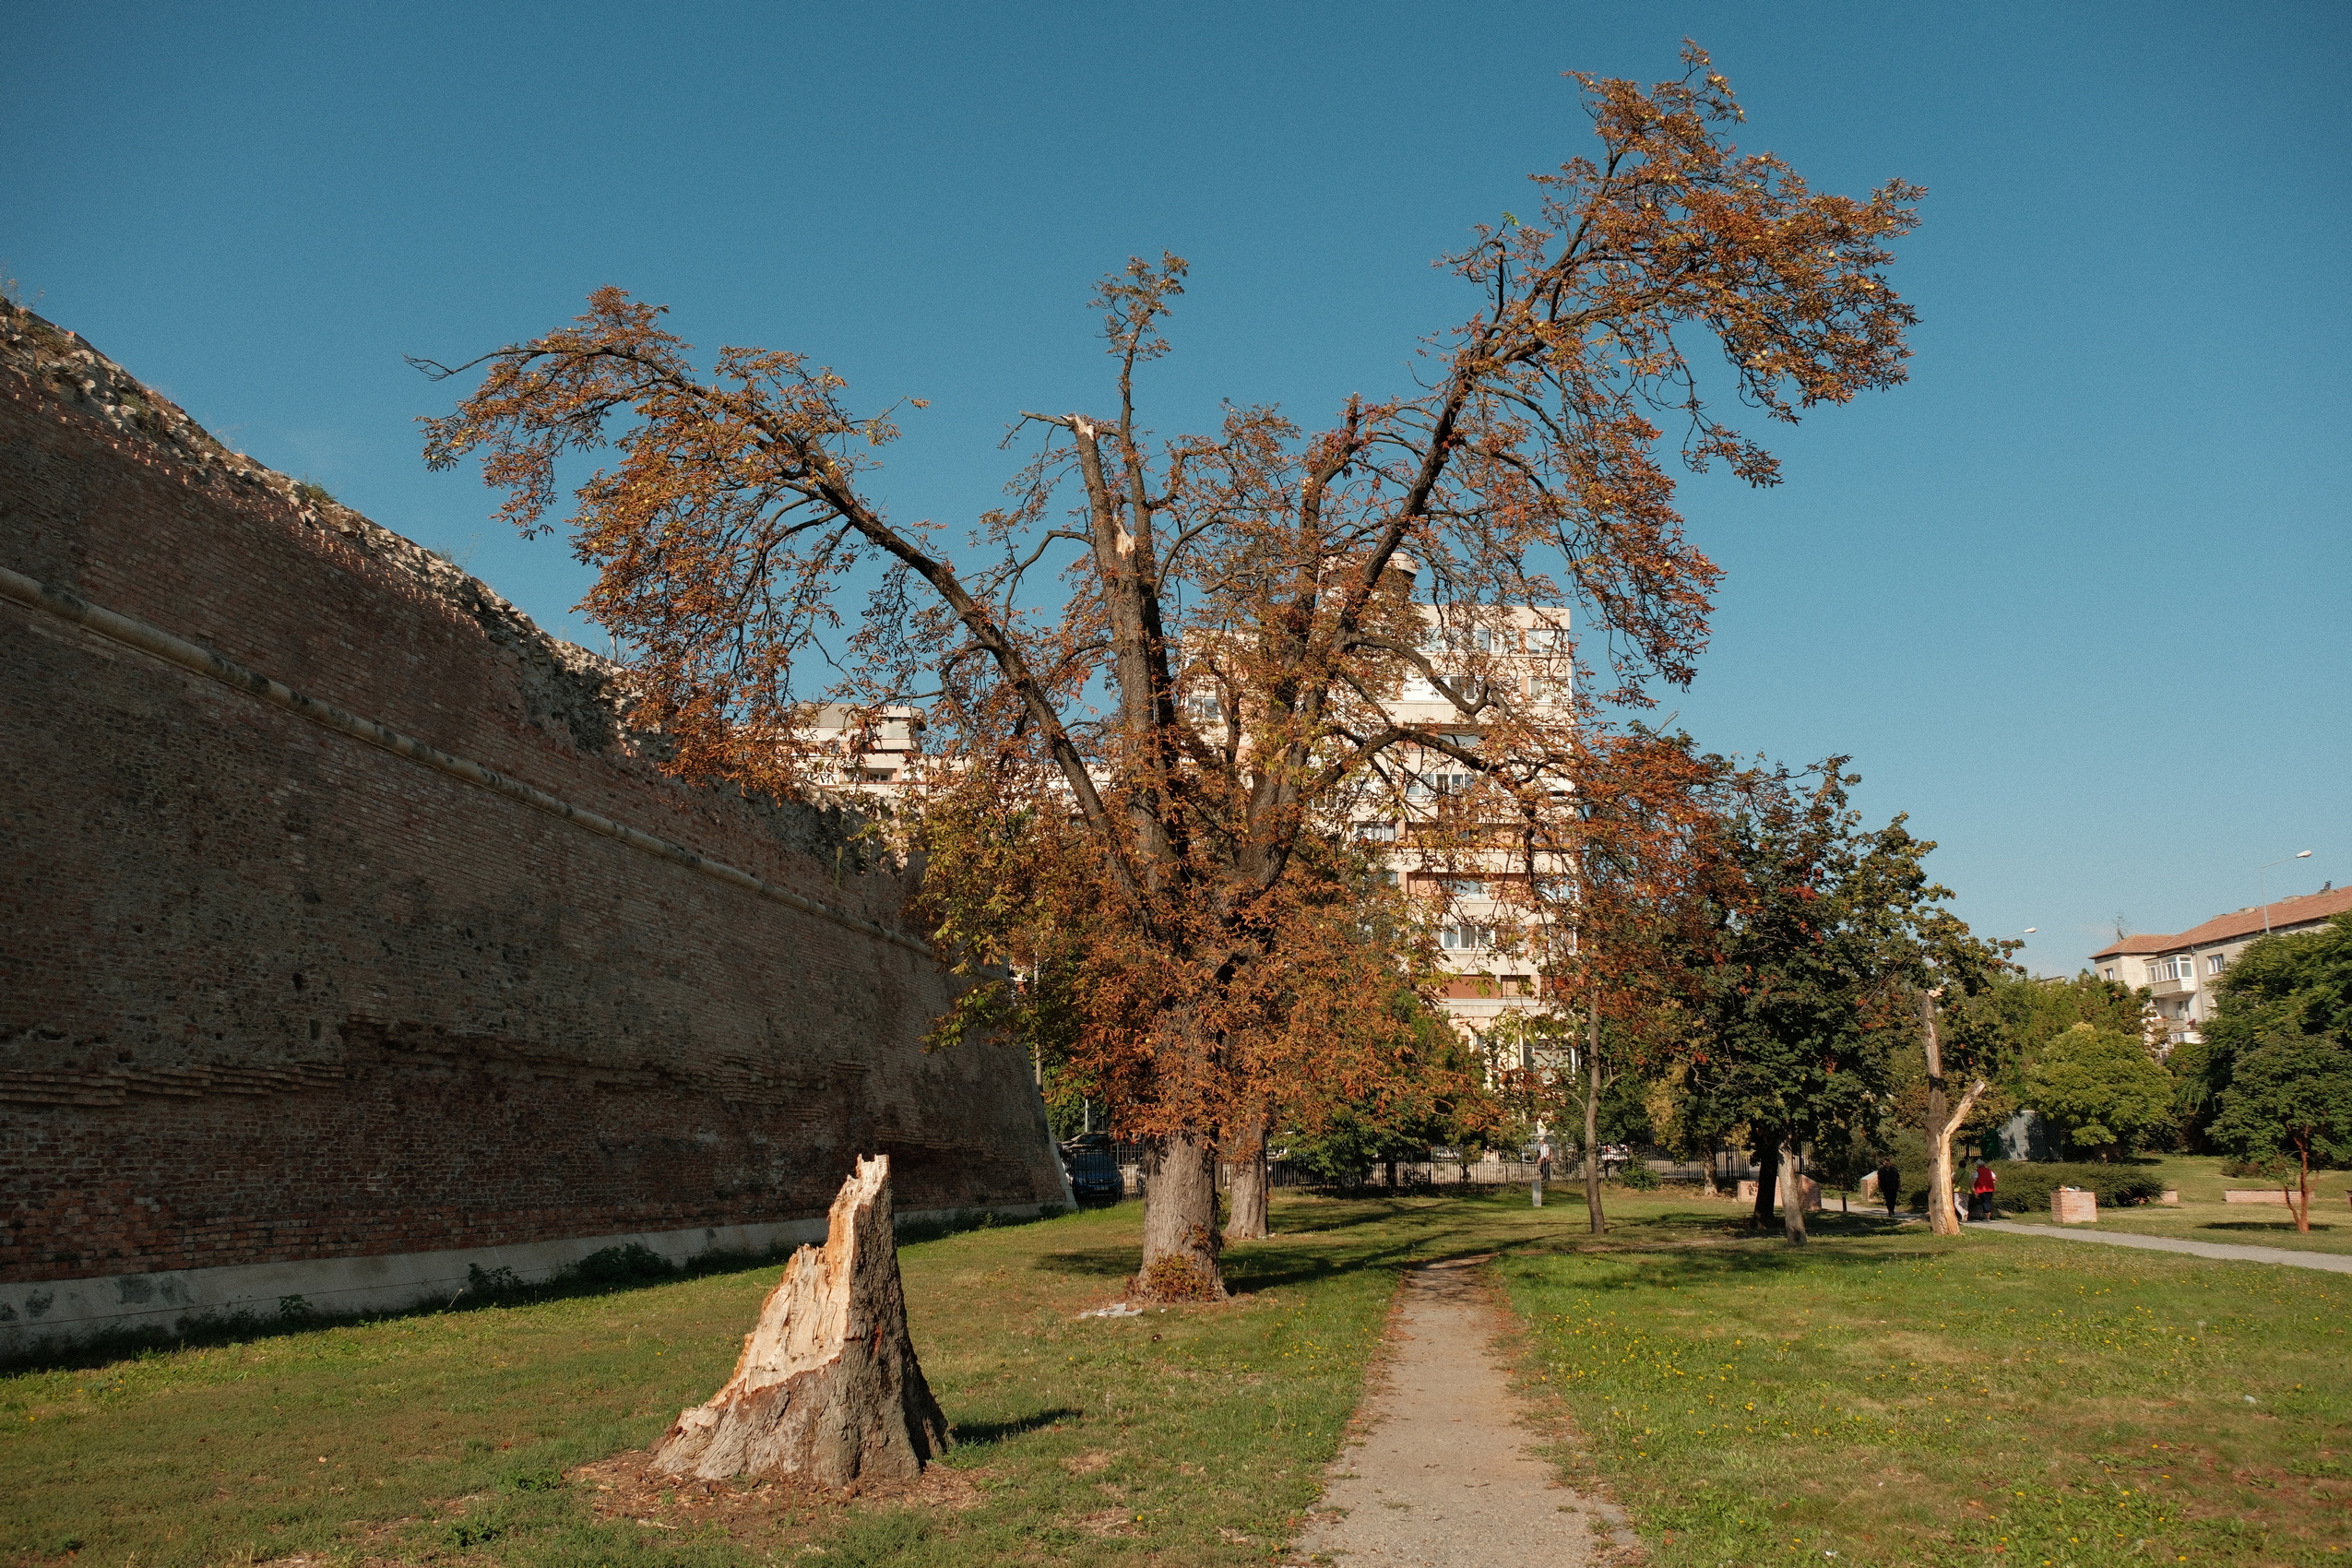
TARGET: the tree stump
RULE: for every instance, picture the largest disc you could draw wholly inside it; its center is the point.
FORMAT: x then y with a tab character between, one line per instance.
828	1390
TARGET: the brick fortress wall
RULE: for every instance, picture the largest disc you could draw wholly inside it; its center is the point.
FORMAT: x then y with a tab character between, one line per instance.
270	993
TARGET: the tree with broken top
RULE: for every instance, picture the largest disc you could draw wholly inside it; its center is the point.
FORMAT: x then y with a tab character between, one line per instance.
828	1389
1250	598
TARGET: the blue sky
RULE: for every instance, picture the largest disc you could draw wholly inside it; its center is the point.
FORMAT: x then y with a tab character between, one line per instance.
2074	598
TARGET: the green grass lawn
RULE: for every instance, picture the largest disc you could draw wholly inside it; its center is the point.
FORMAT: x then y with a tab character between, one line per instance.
2204	1216
1197	1434
1898	1398
2021	1402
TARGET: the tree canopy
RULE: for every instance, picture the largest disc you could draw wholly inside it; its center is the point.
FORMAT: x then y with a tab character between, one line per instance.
1172	740
2103	1088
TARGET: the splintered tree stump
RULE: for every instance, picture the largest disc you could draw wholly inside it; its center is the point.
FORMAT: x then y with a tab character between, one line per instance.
828	1390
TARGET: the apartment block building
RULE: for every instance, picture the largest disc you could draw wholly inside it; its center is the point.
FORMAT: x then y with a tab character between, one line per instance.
1488	974
2180	971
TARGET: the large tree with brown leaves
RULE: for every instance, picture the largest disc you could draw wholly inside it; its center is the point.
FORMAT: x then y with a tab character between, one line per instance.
1250	599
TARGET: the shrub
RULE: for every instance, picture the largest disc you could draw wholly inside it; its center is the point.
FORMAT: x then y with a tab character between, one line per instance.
2025	1187
622	1266
1638	1175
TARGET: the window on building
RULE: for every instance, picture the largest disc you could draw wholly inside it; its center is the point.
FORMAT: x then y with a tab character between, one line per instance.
1375	832
1463	938
2214	961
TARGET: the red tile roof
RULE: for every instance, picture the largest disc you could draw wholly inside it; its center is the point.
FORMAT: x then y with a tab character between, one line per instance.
2284	913
2124	946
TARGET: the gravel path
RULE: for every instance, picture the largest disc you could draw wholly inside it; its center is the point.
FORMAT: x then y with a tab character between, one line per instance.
1443	1477
2336	1263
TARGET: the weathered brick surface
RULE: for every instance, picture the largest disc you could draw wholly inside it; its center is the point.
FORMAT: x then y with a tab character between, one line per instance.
267	992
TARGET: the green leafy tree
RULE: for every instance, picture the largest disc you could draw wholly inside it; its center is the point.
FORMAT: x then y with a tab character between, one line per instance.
2297	983
2289	1106
2103	1089
1824	970
1434	1096
2000	1030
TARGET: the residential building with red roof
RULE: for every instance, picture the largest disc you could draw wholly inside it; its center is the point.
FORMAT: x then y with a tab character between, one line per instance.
2181	971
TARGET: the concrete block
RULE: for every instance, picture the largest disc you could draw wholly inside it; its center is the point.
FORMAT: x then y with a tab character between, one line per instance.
2072	1205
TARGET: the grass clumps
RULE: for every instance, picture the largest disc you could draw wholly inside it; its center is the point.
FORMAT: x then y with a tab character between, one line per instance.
1884	1395
1901	1399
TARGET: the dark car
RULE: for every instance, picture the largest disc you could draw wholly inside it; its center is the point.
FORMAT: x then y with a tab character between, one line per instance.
1094	1171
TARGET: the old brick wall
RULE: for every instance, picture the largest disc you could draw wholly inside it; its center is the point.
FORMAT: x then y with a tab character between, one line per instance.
267	992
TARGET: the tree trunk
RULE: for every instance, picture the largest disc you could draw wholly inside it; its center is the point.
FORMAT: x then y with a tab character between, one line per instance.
1180	1224
1592	1121
1792	1193
1706	1176
828	1389
1767	1179
1388	1178
1942	1121
1245	1190
2303	1212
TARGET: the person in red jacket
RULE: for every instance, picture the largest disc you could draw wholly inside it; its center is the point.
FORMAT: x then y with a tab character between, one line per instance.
1980	1195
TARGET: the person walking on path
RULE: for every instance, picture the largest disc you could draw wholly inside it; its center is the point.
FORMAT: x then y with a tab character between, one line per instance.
1980	1195
1890	1185
1543	1172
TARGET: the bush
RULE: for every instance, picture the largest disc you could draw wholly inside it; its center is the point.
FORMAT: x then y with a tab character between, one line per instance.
1638	1175
2025	1186
632	1264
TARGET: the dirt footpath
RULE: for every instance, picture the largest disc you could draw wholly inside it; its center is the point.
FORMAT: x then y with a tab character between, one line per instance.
1443	1477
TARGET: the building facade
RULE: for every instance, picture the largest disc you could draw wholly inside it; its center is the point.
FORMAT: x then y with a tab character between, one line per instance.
1488	972
2181	971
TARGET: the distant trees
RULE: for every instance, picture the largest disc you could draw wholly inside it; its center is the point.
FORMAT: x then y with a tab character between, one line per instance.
2288	1108
2271	1079
2297	983
1823	963
2103	1088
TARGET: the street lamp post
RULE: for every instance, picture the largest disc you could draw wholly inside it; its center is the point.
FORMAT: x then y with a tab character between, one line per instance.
2262	882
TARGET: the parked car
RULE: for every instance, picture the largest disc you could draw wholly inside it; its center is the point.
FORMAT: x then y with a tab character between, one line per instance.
1094	1171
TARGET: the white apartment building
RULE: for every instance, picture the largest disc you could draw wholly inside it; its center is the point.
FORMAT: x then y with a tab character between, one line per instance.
1485	980
886	762
2181	971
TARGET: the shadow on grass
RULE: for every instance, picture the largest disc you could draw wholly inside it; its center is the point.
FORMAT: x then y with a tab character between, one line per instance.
1391	1235
613	1271
2286	1225
977	1435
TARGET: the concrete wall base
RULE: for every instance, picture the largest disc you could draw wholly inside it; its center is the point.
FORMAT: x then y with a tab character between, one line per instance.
56	1314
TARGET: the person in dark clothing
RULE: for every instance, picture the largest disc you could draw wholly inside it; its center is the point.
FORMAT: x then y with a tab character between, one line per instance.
1890	1186
1981	1193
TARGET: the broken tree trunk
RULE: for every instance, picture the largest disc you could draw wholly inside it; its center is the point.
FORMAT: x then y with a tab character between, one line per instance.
828	1390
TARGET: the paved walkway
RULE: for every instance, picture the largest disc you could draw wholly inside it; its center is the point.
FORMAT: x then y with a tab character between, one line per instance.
1443	1477
2336	1263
